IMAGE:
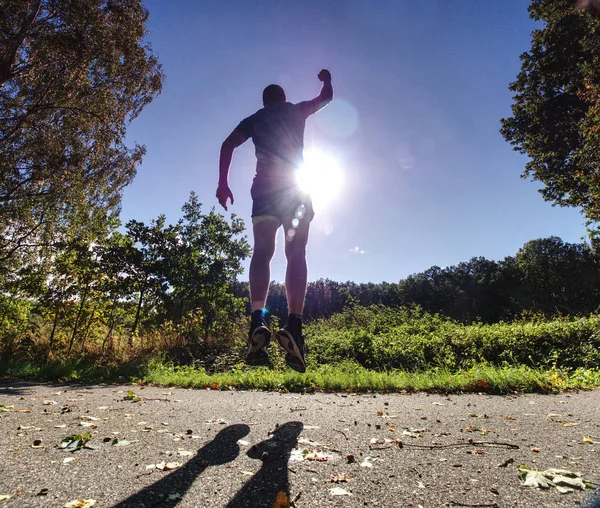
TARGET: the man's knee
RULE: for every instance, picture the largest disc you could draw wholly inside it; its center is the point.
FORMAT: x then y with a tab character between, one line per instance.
263	252
295	250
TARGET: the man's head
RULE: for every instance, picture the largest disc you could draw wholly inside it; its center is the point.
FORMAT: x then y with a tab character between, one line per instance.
273	95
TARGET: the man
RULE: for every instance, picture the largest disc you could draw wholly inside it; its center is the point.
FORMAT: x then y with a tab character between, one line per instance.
277	131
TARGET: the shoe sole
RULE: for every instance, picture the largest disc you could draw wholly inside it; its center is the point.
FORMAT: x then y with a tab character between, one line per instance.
261	335
293	357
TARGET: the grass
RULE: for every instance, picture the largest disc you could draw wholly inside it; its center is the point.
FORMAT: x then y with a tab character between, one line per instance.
347	376
367	349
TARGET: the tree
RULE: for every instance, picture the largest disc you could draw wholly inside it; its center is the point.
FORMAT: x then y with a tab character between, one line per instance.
556	109
73	74
204	256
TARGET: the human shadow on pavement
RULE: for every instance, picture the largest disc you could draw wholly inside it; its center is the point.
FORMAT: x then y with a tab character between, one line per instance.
221	450
261	490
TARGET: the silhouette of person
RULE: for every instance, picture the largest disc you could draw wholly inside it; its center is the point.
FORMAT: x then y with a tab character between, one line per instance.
221	450
272	477
277	131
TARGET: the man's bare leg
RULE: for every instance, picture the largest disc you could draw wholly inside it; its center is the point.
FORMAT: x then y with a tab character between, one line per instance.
260	274
296	275
290	336
260	265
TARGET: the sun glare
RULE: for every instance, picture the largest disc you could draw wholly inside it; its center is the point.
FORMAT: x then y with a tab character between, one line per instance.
321	177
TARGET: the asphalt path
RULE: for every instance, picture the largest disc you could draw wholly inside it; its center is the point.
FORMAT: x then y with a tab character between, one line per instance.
187	448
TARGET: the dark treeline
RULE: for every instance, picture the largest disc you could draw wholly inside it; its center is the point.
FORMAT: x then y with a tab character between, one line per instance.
547	276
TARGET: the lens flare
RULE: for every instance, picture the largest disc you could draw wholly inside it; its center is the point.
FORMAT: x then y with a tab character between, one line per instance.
321	177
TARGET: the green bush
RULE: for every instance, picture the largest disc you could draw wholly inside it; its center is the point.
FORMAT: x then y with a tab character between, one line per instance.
409	339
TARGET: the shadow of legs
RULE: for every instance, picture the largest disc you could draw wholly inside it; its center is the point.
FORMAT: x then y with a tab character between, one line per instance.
221	450
261	490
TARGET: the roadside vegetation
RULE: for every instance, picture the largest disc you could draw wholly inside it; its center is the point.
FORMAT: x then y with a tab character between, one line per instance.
364	348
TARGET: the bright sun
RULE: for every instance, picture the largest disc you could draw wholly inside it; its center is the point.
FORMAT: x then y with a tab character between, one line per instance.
321	177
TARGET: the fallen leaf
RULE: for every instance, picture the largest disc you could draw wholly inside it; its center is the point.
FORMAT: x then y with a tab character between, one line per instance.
49	402
174	497
184	453
569	482
368	462
75	442
164	466
132	396
43	492
563	490
120	442
80	503
337	491
282	500
63	426
316	456
564	480
588	440
532	478
5	497
339	478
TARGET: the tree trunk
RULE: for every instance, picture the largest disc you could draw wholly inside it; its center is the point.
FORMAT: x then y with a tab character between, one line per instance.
87	330
54	325
6	66
112	325
137	318
76	325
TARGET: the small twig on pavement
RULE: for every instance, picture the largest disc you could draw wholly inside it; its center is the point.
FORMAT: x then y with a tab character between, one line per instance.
401	444
294	409
296	497
342	433
506	462
456	503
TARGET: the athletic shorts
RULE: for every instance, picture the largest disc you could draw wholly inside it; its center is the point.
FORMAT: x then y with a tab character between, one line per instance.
286	203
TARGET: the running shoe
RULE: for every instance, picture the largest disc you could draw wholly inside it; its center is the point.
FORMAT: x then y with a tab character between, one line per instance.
293	344
259	338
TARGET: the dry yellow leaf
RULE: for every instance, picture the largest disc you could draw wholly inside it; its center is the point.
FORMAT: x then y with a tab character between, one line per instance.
282	500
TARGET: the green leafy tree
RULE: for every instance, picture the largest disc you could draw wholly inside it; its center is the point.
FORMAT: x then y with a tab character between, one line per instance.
556	112
205	256
73	74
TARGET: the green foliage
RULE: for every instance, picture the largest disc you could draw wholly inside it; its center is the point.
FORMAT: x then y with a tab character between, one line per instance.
72	77
555	110
385	338
14	325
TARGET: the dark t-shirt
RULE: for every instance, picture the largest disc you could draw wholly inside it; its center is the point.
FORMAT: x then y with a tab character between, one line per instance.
278	136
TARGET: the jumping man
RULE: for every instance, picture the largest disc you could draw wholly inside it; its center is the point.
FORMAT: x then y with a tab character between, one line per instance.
277	131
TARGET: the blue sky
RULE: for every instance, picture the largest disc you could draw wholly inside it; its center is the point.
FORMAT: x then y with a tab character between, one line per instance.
420	88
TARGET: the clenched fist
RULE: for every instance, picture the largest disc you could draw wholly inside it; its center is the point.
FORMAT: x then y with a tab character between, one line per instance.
324	75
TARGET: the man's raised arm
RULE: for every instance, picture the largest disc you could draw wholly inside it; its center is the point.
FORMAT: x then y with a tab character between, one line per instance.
324	98
235	139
